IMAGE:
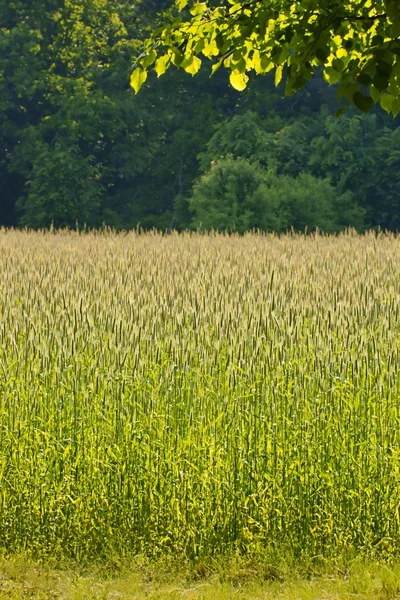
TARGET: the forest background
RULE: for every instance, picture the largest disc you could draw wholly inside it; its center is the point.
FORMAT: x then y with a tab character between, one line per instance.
77	147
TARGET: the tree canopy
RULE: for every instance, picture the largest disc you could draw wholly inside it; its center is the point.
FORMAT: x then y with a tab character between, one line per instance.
77	147
356	44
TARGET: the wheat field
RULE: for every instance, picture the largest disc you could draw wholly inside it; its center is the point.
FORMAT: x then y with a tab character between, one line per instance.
199	394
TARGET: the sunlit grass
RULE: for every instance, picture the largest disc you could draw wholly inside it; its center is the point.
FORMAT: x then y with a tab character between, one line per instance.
199	395
140	580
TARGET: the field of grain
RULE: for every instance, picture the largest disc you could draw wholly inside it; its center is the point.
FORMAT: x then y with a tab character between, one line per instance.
199	394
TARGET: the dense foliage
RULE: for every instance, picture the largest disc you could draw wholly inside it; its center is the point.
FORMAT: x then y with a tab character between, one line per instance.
78	147
356	42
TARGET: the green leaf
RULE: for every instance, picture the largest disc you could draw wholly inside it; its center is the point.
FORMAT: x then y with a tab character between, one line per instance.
266	64
387	102
364	103
381	82
216	66
210	49
375	94
220	41
377	40
396	107
341	110
238	80
364	79
278	75
322	54
298	83
338	65
177	57
347	89
191	65
138	78
331	75
162	65
148	60
198	9
384	69
181	4
395	30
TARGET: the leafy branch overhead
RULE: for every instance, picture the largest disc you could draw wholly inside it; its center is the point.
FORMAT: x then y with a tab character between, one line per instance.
355	42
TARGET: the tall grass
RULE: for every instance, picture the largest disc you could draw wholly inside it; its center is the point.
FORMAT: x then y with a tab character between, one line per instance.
199	394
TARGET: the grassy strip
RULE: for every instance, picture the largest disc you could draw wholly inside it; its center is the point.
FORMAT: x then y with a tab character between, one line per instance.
23	578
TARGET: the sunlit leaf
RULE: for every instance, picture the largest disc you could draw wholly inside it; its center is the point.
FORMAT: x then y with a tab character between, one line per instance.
278	75
138	78
162	65
198	8
238	80
191	65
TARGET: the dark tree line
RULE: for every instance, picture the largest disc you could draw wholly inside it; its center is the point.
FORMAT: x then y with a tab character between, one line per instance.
76	145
